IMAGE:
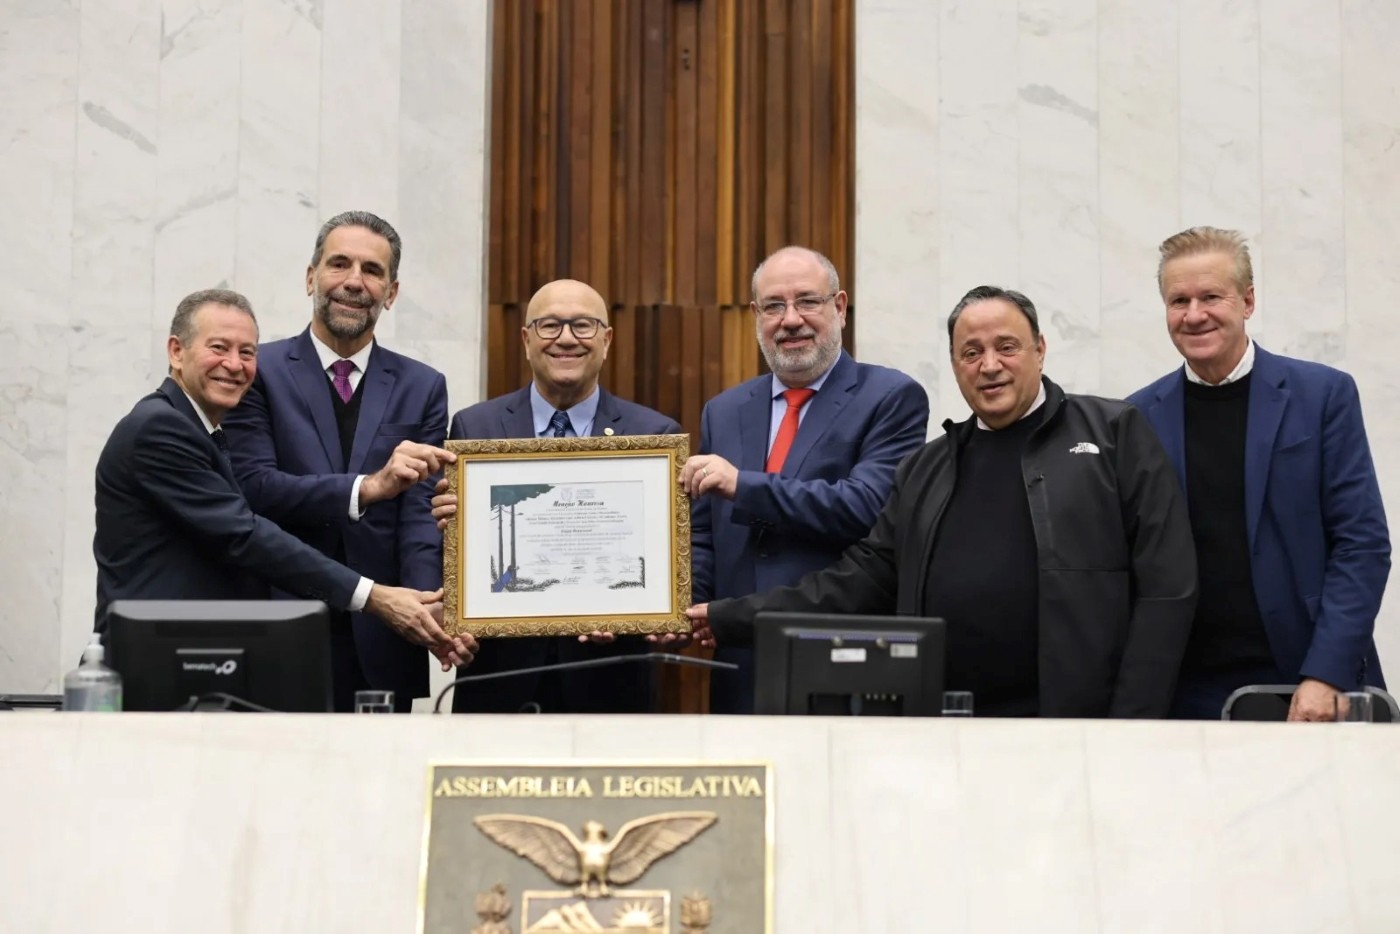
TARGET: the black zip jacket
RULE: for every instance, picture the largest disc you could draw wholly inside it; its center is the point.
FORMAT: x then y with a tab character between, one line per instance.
1117	570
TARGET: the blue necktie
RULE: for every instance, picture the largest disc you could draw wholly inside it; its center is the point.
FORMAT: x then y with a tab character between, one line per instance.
558	424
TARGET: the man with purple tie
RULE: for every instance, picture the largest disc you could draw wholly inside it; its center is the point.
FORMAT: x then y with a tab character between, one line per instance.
337	440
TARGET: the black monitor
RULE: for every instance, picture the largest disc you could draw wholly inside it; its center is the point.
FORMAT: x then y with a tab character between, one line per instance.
830	665
274	654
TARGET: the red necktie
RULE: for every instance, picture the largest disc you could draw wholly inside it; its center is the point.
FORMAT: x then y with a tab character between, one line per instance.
787	431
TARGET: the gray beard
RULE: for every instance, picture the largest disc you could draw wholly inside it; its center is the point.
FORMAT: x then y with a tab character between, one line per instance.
807	364
341	326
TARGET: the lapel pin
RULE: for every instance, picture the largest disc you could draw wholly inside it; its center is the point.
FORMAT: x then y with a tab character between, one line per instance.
608	432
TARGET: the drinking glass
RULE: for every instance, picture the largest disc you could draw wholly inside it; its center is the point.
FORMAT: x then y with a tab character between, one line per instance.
1354	707
957	703
374	702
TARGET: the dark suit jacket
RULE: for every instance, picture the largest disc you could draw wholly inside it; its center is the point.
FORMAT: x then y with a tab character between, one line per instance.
835	480
173	525
1319	546
606	690
287	456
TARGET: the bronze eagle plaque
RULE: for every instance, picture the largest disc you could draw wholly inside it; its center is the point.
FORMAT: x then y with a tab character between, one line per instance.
625	848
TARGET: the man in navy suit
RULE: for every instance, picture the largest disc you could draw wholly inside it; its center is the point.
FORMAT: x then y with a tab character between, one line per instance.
566	337
336	442
171	520
1290	533
774	502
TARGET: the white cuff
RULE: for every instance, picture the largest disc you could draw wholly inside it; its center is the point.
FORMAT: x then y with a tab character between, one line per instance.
361	595
355	511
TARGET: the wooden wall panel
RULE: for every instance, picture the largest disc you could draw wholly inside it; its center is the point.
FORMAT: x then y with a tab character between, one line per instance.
658	150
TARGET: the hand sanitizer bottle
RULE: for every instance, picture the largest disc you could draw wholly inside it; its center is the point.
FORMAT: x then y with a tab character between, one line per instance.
92	685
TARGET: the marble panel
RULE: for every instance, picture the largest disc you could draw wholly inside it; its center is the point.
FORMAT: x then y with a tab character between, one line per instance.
978	166
1220	138
1277	846
358	166
1300	124
197	163
1154	873
1058	125
1371	190
1054	869
897	210
1139	187
114	216
443	134
909	771
33	424
39	53
278	159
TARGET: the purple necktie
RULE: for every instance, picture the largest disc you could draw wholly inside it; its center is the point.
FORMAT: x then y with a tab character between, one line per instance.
340	378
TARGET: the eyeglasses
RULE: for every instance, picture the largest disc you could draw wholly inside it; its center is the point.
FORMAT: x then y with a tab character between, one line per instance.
806	305
582	328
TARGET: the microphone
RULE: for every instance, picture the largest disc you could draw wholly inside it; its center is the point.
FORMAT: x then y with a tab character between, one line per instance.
669	658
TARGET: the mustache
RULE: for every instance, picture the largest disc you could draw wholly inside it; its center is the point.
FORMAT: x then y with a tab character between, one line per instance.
345	298
798	334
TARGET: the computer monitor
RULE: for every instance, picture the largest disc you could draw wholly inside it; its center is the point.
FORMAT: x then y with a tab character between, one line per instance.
831	665
271	653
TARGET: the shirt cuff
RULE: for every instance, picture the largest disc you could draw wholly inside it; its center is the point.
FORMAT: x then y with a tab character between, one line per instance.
361	595
355	511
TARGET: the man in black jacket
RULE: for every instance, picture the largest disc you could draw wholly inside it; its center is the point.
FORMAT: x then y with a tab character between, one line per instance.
1048	531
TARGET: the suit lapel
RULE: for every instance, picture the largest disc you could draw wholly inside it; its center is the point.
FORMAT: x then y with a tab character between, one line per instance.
517	420
1168	418
821	413
376	389
181	403
1267	400
311	381
607	416
755	416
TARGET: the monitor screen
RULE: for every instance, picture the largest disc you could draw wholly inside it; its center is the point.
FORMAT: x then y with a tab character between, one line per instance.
830	665
272	653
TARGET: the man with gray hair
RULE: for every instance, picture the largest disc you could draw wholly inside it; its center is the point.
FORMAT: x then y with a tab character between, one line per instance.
338	439
1047	531
793	466
1290	530
172	523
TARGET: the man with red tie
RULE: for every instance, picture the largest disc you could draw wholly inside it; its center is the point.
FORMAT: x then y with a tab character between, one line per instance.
793	466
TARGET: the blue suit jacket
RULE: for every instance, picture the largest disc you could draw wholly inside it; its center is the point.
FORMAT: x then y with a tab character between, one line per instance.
286	453
1319	546
836	477
605	690
172	523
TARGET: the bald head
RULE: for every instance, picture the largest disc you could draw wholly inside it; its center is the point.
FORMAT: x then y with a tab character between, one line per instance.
570	292
566	337
796	255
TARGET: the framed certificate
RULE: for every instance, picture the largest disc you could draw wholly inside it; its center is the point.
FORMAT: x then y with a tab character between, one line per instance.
564	536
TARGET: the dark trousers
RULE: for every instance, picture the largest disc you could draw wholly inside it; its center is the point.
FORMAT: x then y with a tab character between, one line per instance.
1201	695
731	692
346	675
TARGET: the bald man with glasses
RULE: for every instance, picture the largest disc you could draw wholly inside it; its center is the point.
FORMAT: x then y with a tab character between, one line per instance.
566	337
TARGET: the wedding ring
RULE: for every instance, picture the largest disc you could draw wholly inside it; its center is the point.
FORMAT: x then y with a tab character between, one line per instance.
704	472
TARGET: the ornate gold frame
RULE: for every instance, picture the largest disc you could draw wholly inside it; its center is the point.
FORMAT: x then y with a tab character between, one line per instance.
675	447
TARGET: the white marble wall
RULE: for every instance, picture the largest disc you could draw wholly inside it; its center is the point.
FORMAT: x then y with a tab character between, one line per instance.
149	148
1050	145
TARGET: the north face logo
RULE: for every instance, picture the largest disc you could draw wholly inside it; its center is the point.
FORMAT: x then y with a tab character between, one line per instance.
1085	447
